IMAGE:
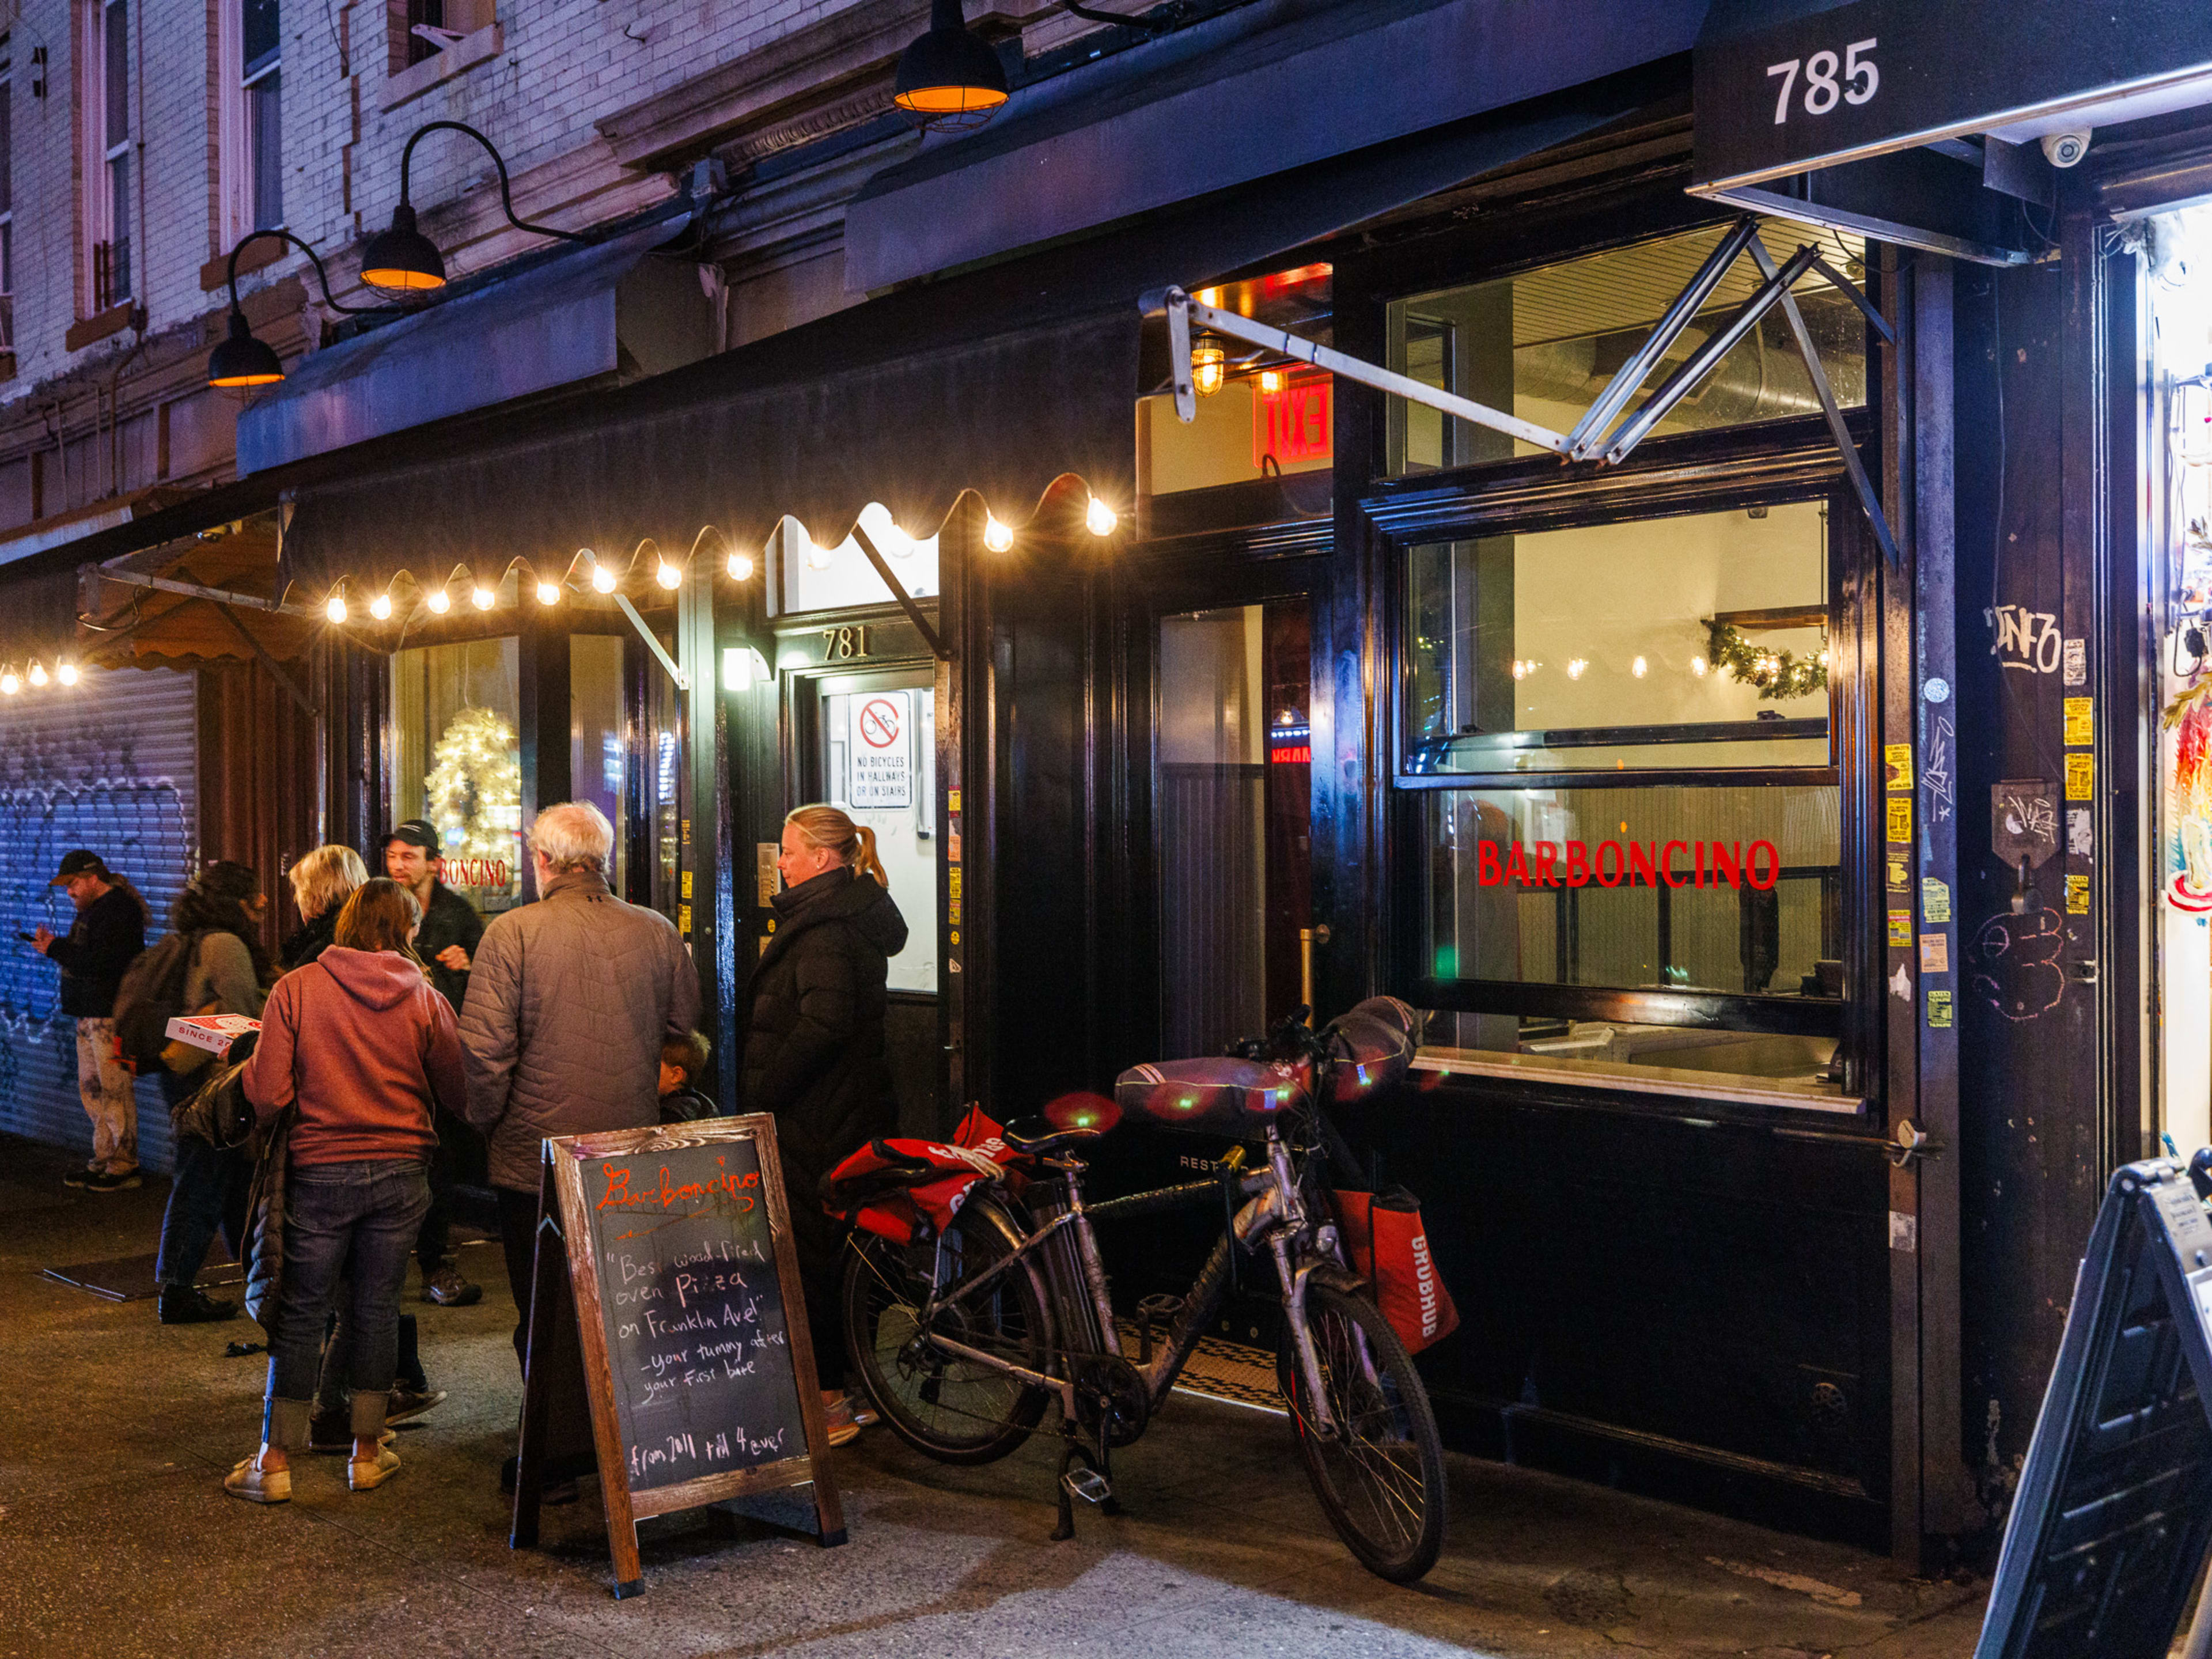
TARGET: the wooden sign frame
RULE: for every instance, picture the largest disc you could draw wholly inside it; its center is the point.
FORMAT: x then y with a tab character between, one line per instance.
564	1273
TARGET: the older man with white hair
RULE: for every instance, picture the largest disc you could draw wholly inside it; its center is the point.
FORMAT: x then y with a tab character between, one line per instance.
569	1002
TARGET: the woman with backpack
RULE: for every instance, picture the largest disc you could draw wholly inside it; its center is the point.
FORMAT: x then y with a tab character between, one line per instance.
364	1050
220	911
815	1052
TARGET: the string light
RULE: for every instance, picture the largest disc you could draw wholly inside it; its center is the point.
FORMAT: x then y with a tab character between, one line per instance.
741	568
818	556
603	579
1100	518
335	607
381	607
997	536
668	575
1639	668
482	597
549	592
1575	667
38	673
1698	666
10	685
439	601
67	674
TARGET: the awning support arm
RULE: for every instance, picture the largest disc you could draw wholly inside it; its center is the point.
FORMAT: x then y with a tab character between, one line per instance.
195	590
898	591
275	670
652	643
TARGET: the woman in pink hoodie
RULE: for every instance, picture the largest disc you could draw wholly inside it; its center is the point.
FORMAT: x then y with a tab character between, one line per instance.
363	1046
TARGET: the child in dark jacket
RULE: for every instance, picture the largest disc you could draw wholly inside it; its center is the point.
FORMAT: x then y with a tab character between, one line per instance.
682	1060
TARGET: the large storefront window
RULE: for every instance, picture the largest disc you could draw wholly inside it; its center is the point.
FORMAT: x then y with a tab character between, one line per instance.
599	744
1692	641
1544	344
456	762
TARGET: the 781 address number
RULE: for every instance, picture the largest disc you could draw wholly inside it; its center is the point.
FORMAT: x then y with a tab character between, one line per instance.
1829	80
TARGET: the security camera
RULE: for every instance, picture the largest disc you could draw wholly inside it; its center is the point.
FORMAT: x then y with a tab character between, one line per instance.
2065	149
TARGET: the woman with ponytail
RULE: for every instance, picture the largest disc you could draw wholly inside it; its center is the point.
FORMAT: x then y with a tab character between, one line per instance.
814	1049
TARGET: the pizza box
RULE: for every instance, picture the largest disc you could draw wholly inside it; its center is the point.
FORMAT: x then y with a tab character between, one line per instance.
212	1032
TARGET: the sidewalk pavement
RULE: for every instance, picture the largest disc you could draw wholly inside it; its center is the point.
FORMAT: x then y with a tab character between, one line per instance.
116	1537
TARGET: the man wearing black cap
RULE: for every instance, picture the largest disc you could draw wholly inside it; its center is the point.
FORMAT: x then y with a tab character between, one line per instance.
447	941
109	931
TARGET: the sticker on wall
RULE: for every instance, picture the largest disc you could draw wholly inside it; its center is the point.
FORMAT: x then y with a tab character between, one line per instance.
1935	901
1937	690
2080	720
1935	953
2081	777
2080	839
952	834
2077	664
1904	1232
1936	775
1900	928
1939	1010
1901	984
2023	822
952	800
1900	818
882	752
1898	756
2077	896
1900	870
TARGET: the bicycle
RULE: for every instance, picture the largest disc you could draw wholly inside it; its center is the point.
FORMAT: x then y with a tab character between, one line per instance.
965	1335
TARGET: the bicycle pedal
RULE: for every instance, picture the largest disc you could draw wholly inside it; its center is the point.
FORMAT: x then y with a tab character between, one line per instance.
1089	1485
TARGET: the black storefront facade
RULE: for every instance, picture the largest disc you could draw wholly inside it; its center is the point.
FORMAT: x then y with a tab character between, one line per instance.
1768	1093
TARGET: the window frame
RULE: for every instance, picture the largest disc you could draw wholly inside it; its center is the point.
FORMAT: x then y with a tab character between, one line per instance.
100	289
237	133
7	194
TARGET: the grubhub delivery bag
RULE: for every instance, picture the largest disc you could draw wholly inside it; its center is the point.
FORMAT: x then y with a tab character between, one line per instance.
1386	1245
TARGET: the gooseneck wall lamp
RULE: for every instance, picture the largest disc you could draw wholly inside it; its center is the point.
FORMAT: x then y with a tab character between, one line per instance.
402	260
242	360
948	79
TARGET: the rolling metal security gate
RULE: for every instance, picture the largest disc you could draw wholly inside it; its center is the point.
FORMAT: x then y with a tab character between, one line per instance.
110	763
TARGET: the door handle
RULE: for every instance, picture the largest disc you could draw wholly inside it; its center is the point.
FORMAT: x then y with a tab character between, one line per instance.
1307	937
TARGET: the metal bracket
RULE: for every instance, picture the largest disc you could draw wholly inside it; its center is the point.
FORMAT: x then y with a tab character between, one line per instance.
652	643
1912	1142
898	591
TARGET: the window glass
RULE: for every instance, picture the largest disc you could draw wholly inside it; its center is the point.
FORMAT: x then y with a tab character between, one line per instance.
456	762
1692	641
817	578
878	763
1735	891
1544	344
597	736
662	760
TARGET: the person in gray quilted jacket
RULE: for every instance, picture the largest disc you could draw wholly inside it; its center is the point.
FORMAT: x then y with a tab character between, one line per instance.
569	1002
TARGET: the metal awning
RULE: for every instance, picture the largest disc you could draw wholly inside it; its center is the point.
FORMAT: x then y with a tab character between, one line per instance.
1261	90
612	312
1919	121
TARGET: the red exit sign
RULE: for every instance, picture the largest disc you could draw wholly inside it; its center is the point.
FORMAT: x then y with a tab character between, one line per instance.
1295	424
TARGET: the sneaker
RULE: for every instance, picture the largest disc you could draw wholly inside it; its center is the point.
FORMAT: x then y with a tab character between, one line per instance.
363	1472
409	1403
187	1304
447	1288
256	1484
104	1180
81	1177
843	1426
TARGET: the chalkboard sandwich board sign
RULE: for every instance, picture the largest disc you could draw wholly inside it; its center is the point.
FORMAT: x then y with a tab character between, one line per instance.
697	1362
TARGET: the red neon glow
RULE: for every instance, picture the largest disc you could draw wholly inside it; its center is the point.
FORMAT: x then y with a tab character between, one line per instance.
1294	425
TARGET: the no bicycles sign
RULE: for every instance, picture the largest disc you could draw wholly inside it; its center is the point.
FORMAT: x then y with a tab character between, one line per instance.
882	751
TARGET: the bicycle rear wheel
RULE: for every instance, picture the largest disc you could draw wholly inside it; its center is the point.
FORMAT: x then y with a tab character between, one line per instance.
952	1408
1380	1473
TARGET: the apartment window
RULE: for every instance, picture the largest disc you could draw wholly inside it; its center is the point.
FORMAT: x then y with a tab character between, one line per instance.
261	76
7	195
421	29
104	112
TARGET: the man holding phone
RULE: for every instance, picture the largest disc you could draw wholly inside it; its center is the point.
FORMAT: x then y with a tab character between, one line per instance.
110	930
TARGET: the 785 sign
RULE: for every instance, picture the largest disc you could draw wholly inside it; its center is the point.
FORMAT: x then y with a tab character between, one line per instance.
1829	80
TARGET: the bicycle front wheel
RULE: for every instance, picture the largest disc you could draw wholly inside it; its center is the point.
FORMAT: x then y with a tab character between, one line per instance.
946	1405
1379	1471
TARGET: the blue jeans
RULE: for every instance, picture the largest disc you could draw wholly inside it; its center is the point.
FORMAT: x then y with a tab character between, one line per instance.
207	1191
365	1213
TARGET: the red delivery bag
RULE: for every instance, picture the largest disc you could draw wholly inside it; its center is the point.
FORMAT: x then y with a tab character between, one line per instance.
903	1189
1386	1244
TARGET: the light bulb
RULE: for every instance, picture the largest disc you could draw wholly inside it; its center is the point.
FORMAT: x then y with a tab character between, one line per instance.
335	607
1698	666
996	536
741	568
668	575
1575	667
1639	668
1099	518
482	597
1209	367
818	556
1271	380
549	592
67	674
603	579
381	607
10	685
38	673
439	601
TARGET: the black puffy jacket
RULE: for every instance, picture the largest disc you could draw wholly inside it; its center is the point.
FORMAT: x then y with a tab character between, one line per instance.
814	1047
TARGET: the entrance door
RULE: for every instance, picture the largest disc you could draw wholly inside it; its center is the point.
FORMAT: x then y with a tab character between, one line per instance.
874	743
1235	816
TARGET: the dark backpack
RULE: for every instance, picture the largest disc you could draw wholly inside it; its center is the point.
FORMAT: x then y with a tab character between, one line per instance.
151	994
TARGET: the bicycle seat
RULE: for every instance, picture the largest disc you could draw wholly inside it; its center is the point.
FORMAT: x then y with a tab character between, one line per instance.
1035	1134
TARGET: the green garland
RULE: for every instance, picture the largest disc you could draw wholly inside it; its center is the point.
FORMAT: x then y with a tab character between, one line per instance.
1779	675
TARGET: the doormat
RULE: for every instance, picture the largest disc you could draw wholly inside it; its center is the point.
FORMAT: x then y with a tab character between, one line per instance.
1218	1370
130	1278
